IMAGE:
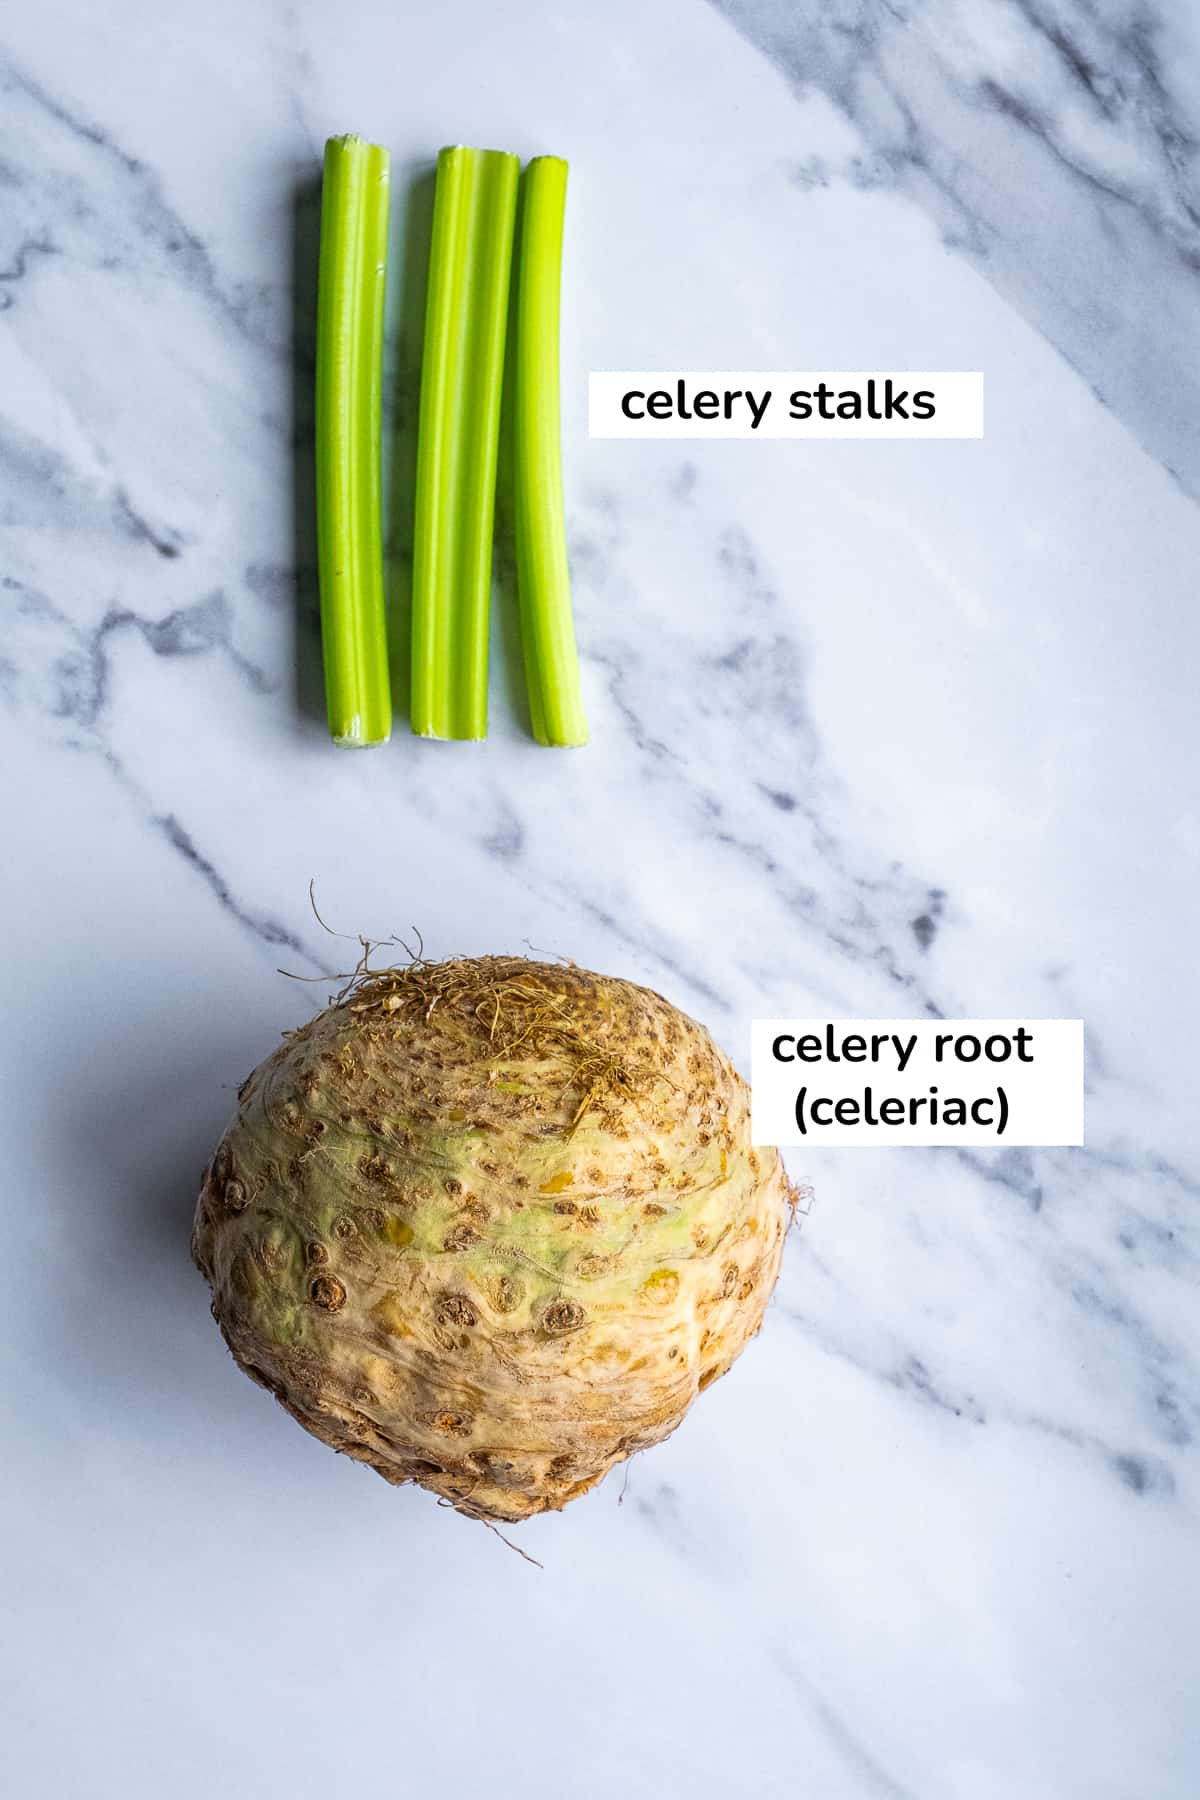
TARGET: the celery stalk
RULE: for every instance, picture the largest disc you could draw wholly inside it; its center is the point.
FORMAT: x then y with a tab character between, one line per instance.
353	261
543	580
461	374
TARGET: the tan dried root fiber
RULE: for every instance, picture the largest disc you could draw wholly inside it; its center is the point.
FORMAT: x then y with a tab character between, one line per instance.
491	1225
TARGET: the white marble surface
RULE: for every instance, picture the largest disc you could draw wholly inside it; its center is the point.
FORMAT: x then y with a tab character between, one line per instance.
877	728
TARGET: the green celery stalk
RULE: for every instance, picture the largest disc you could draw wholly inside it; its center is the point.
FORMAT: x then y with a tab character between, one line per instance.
353	263
458	436
543	580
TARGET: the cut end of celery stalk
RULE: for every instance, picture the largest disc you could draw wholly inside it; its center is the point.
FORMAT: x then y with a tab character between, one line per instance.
356	734
451	737
353	260
563	737
543	577
458	436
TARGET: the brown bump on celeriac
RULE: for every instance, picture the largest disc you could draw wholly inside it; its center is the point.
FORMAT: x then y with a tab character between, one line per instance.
453	1424
455	1309
561	1315
327	1291
460	1238
234	1195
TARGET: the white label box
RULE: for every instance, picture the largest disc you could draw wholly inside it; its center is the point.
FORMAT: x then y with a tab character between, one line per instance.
878	1082
785	403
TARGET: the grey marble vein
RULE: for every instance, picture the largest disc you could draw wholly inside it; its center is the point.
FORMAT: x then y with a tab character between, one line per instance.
872	1781
1053	143
68	680
1141	1471
109	206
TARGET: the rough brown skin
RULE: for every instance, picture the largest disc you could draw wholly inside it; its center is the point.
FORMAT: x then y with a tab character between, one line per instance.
491	1225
